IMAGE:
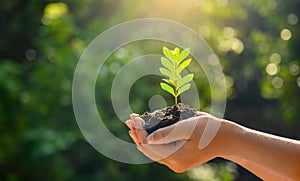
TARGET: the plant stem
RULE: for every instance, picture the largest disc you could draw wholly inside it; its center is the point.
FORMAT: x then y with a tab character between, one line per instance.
175	82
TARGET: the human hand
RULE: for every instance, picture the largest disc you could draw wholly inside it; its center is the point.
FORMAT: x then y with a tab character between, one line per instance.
176	146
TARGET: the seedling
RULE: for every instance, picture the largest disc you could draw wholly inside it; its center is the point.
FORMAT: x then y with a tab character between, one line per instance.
174	63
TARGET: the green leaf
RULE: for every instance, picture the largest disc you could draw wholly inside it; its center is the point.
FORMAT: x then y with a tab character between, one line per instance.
184	54
167	63
166	73
167	88
176	52
171	82
183	89
173	64
186	79
183	65
168	53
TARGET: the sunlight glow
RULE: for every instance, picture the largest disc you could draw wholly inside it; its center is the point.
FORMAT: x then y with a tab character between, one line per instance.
207	6
222	3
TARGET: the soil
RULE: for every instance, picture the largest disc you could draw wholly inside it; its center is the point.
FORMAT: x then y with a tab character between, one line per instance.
167	116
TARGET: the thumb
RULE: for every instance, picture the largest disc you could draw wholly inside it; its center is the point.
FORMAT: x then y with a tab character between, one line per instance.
179	131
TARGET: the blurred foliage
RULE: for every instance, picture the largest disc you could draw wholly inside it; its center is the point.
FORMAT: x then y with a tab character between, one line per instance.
41	41
215	172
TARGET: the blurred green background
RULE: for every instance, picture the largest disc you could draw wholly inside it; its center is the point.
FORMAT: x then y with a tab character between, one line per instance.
257	42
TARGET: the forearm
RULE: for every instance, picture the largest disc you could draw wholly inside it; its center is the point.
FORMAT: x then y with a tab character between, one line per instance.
277	154
258	170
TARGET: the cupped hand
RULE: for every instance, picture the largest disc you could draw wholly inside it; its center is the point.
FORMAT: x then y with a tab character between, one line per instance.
176	146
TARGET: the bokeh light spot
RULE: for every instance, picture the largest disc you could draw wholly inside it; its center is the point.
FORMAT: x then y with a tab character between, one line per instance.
228	32
237	46
213	60
285	34
275	58
114	67
53	11
232	44
271	4
277	82
294	69
121	53
292	19
271	69
30	54
229	81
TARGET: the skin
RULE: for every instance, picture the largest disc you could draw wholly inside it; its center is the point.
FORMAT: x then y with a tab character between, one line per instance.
267	156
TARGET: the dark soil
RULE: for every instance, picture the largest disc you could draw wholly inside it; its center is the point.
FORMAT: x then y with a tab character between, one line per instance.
167	116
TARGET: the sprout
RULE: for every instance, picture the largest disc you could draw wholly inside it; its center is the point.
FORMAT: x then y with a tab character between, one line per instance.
174	63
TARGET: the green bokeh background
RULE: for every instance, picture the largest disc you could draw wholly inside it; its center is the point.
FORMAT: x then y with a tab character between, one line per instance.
257	42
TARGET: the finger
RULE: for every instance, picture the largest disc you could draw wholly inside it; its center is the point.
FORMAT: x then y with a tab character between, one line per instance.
134	137
140	131
150	154
130	124
161	152
200	113
147	153
178	131
133	115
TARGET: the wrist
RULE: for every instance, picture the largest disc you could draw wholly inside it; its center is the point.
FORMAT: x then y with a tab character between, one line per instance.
227	138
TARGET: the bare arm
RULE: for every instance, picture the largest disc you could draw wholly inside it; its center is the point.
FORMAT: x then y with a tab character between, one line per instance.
265	155
260	171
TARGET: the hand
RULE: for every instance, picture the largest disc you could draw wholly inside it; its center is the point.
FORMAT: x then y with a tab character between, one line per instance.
176	146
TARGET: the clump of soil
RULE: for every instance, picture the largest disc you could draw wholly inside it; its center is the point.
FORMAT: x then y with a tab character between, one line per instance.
167	116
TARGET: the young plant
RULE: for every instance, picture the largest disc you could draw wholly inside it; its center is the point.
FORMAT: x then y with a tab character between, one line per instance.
174	63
